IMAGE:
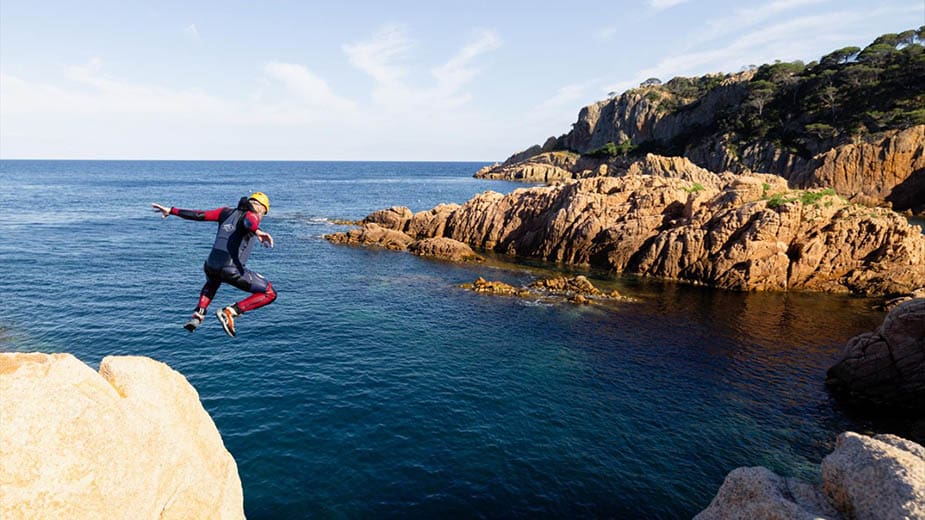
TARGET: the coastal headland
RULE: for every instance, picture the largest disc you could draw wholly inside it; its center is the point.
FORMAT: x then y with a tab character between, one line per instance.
741	232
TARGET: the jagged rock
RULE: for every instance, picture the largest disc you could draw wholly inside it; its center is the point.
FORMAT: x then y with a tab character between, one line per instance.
429	223
744	232
481	285
395	218
372	235
674	167
132	441
444	248
542	167
638	115
864	478
886	367
889	169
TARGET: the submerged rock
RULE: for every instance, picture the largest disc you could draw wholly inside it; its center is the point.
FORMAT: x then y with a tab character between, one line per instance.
481	285
562	284
132	441
864	478
886	367
578	290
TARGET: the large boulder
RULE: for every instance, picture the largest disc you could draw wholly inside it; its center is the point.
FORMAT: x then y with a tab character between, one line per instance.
757	493
886	367
444	249
877	478
372	235
864	478
395	218
132	441
430	223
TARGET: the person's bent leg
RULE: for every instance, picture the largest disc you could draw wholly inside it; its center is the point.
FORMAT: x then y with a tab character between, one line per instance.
256	300
250	281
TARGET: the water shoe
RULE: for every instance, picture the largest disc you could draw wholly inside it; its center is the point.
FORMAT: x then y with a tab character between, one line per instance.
226	317
195	321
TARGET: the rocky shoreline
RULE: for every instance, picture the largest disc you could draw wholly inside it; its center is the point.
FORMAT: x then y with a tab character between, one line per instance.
741	232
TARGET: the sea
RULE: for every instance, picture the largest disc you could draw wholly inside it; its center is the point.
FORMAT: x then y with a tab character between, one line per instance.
375	387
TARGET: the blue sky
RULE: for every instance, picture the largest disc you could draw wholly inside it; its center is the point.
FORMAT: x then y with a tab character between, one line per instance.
400	80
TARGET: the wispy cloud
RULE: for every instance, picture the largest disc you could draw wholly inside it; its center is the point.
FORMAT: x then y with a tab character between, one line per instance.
747	17
660	5
92	91
313	91
459	70
378	55
382	58
191	31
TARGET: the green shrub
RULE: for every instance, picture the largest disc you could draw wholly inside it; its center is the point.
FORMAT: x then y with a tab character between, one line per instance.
697	187
812	197
612	150
778	199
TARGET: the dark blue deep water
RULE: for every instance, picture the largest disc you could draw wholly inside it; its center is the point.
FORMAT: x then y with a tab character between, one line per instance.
374	387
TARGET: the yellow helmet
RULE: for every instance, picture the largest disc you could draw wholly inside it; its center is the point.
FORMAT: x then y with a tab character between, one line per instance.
262	198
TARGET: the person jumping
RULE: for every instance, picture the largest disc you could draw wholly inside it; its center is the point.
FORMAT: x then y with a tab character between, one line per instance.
237	228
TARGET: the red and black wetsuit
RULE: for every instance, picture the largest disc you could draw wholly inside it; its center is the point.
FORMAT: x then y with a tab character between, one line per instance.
233	243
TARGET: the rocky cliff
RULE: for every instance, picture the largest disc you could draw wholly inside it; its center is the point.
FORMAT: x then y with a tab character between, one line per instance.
876	169
743	232
864	478
132	441
643	115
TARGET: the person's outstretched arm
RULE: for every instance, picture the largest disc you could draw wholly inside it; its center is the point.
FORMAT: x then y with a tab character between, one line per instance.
189	214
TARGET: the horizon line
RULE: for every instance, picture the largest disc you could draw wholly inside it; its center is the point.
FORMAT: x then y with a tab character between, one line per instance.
253	160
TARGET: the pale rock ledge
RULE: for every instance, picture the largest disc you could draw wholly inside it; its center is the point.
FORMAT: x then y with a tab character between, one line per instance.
132	441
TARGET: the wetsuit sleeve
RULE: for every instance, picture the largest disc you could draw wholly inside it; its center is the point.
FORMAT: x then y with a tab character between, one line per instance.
197	214
251	221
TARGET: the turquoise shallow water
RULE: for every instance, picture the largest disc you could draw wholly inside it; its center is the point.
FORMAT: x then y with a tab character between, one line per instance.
374	387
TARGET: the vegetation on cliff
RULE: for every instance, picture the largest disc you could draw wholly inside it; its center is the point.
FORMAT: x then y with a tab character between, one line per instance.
848	94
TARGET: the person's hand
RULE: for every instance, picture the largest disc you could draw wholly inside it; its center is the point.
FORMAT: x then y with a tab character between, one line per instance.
265	238
165	212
